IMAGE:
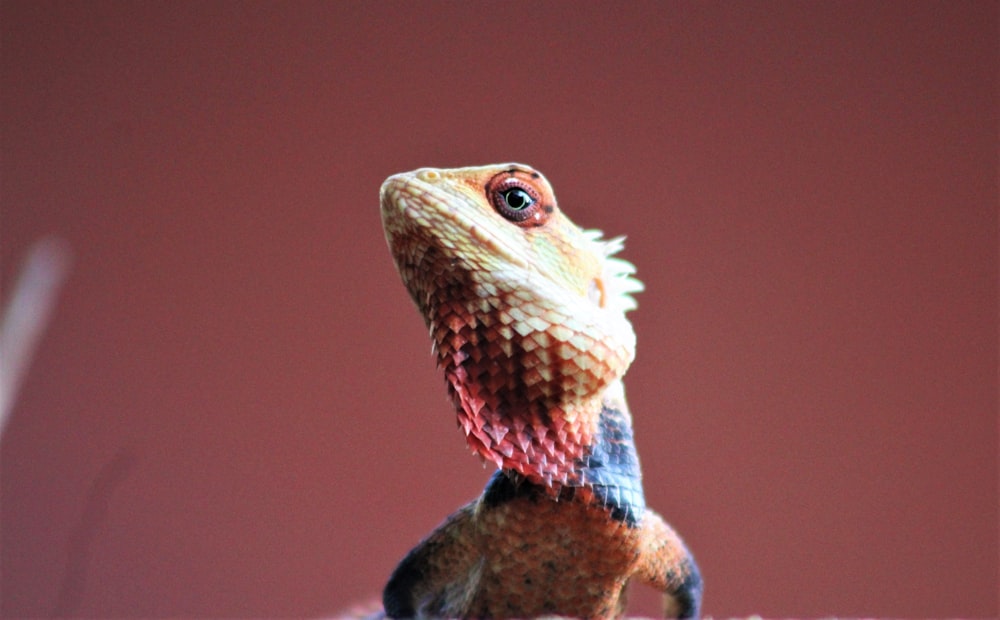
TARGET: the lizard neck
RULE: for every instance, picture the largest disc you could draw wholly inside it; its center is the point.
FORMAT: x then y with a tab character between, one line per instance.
608	474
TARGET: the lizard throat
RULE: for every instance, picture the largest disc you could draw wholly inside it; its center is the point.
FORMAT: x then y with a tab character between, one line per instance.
527	393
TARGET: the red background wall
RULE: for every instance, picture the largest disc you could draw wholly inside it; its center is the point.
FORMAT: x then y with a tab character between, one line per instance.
234	412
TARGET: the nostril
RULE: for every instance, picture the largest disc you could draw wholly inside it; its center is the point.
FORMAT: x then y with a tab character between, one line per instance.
428	174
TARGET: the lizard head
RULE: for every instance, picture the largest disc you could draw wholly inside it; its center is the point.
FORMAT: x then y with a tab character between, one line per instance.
526	310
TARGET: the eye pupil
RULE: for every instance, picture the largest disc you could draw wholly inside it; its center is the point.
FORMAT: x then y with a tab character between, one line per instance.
517	199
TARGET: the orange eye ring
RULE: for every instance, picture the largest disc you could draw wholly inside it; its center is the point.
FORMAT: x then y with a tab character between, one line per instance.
517	199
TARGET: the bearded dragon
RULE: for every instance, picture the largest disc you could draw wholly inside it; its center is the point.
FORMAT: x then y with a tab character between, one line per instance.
526	312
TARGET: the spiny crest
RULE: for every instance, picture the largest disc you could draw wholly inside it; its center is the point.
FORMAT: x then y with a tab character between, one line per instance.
618	272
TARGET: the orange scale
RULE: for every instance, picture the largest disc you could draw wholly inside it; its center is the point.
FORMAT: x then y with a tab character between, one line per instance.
529	361
472	369
538	392
549	445
549	392
529	343
531	377
519	459
518	424
458	356
482	313
444	350
458	393
470	387
522	440
483	437
486	455
494	383
497	432
453	324
493	400
557	422
539	430
490	368
475	405
456	306
505	448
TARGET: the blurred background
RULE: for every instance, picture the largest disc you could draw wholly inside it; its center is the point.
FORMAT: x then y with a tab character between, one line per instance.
234	411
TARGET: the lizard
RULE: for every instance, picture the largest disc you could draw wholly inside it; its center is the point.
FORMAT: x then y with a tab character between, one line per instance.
526	313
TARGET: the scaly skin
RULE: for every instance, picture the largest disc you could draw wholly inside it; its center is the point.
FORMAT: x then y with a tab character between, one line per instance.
527	316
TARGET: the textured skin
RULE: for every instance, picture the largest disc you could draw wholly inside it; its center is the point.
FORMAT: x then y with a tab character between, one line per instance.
527	316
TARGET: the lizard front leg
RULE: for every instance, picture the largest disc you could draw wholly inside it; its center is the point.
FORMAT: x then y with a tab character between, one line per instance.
437	576
666	564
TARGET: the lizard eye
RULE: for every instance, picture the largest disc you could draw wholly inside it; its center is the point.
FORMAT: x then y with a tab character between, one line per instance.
517	199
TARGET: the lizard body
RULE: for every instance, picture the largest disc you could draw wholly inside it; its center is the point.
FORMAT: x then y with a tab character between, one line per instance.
526	313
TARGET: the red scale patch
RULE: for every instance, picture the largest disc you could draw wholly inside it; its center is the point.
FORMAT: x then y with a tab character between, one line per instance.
515	409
